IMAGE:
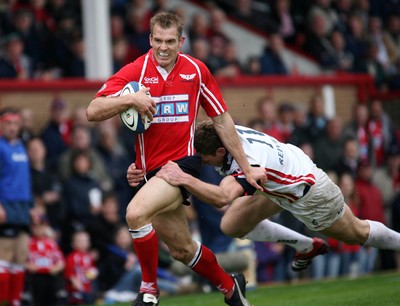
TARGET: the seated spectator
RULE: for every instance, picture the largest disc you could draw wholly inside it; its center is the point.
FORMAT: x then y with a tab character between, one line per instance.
119	262
81	142
14	63
372	66
44	264
357	128
46	187
80	271
381	129
392	31
299	134
254	14
198	28
75	63
386	53
316	118
348	162
231	66
56	133
371	208
266	110
387	179
328	149
253	66
322	10
356	37
342	59
317	41
285	122
271	60
284	21
28	124
200	49
102	228
82	195
116	160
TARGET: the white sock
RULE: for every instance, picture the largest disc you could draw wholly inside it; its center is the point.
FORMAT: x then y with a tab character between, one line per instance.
273	232
382	237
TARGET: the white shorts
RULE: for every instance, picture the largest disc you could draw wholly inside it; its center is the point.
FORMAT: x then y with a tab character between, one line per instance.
322	206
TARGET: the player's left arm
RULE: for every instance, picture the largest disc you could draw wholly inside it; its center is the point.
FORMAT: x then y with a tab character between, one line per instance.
225	128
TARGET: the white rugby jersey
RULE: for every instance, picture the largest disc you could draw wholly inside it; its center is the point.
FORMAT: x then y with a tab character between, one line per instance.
289	169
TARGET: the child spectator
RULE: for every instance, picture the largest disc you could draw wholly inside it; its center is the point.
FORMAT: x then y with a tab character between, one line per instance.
44	264
80	271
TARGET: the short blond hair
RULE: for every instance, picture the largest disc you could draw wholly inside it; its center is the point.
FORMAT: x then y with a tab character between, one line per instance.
167	20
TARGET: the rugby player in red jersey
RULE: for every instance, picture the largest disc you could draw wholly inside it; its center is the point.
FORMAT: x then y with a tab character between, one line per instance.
179	85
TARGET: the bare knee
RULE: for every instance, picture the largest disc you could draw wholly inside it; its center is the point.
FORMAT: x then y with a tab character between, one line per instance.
229	229
135	217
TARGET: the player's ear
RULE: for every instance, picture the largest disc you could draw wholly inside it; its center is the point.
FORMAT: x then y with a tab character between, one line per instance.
150	40
181	41
220	151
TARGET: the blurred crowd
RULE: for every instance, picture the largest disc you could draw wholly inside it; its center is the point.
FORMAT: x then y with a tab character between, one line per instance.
42	39
79	242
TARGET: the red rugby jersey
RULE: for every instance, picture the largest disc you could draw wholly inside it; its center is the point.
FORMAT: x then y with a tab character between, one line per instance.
44	254
78	264
179	96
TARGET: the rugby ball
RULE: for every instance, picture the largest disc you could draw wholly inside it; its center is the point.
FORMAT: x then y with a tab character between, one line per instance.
130	117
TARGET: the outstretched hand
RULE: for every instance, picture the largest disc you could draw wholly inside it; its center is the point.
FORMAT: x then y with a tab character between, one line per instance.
171	173
257	177
134	175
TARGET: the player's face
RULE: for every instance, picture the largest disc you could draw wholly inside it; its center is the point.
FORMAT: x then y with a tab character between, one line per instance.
10	126
166	44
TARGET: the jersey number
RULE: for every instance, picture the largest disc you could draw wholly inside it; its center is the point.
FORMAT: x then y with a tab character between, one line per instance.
252	140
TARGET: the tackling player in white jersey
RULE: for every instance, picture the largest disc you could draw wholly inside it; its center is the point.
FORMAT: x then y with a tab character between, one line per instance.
295	184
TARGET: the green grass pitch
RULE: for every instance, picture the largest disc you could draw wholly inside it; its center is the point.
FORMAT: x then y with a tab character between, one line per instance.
376	290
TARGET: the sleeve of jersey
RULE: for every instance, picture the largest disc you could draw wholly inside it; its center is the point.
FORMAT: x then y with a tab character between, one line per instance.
210	95
112	87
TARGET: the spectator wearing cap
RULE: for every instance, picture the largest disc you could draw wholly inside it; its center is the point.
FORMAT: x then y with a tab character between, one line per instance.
14	63
56	133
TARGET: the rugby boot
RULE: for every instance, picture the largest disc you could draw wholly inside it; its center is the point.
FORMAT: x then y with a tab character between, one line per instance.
238	297
302	261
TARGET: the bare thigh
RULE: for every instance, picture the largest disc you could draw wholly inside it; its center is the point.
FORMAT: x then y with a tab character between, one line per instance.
172	227
154	198
245	213
348	229
15	249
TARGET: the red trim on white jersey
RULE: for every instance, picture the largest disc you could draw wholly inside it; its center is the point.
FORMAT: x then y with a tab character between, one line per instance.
289	169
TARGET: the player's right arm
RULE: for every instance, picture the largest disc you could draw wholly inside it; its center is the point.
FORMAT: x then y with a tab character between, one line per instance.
218	196
102	108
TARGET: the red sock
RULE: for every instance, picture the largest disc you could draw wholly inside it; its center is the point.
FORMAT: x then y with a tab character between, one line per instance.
17	283
4	284
147	253
206	265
